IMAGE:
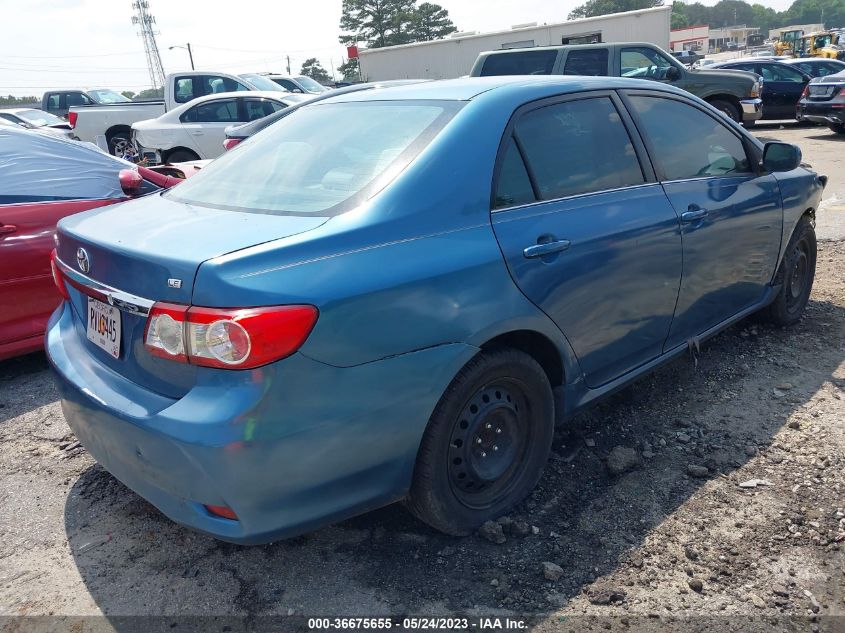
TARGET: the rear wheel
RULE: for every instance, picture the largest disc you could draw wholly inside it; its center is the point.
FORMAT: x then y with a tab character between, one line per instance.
181	156
839	128
486	444
796	275
728	108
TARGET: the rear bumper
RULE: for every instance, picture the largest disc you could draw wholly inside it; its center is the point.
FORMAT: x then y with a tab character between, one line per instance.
819	113
752	109
288	447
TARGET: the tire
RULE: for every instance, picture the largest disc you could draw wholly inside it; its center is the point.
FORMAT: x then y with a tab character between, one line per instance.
748	124
727	108
181	156
795	275
118	142
486	443
839	128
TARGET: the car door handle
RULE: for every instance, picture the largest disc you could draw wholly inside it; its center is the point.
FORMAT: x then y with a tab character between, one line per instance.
197	132
693	215
7	229
547	248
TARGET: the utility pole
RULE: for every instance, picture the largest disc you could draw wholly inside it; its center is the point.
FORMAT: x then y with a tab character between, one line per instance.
288	64
145	21
190	54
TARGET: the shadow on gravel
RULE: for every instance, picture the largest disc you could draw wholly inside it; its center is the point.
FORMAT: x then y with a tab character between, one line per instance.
21	385
716	411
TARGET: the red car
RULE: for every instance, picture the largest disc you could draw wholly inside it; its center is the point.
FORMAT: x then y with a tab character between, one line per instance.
43	179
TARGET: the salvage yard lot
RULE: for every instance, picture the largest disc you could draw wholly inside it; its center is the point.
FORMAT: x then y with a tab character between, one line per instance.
675	534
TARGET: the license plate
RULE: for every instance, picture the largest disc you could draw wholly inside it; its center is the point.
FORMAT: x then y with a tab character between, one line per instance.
104	326
821	91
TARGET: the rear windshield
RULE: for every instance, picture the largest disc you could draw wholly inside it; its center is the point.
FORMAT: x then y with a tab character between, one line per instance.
322	159
521	63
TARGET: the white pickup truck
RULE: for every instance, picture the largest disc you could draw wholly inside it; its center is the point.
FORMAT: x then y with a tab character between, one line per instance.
110	126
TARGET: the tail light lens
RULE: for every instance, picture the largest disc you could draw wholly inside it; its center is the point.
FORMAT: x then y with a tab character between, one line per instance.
227	338
58	279
71	118
806	92
229	143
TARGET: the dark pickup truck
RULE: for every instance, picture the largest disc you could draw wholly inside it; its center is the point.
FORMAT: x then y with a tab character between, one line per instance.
734	92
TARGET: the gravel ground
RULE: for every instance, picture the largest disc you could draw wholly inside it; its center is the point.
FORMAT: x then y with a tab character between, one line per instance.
645	514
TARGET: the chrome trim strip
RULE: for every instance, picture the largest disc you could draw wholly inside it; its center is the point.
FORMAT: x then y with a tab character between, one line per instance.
122	300
573	197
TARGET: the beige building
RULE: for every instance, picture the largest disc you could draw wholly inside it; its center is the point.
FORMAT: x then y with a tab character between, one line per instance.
691	38
807	28
455	55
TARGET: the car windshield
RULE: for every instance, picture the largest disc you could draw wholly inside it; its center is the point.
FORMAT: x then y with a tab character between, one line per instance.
263	83
310	85
323	159
107	96
39	118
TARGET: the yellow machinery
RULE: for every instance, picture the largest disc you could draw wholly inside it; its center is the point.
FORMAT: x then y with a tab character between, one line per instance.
788	42
824	44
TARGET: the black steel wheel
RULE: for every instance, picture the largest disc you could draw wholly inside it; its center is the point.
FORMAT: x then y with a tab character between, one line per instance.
486	443
795	275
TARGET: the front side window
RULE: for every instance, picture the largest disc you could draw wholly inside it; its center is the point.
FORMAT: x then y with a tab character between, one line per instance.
592	62
76	99
578	147
521	63
213	84
687	143
644	63
322	159
288	84
259	108
780	72
223	111
53	102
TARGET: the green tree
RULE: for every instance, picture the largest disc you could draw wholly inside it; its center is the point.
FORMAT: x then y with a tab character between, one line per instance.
592	8
431	22
151	93
12	100
349	70
679	16
375	22
128	94
311	67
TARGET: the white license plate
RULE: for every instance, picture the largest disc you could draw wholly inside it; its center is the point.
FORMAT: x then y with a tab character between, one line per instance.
104	326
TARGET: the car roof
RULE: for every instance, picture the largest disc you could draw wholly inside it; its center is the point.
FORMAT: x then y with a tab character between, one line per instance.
16	110
467	88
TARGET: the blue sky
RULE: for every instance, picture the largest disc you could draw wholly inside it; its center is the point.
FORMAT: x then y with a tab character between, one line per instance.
48	44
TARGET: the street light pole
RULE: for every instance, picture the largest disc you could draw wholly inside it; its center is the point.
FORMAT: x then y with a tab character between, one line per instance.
190	53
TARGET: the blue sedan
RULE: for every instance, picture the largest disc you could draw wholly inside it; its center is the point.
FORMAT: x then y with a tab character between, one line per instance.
395	294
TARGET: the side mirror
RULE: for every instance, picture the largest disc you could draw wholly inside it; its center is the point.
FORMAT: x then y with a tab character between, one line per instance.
130	182
781	156
672	73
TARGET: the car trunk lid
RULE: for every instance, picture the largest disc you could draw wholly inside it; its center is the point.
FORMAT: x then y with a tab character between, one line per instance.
150	249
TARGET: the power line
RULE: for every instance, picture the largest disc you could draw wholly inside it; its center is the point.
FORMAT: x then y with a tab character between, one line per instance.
67	56
75	72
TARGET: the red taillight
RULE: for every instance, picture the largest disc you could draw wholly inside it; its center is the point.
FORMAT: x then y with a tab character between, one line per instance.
71	118
58	278
229	143
806	92
224	512
227	338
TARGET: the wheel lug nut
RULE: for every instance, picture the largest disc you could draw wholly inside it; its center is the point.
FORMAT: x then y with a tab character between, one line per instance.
498	430
495	448
478	440
483	454
488	426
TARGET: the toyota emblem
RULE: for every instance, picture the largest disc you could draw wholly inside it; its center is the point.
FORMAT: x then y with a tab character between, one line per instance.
82	260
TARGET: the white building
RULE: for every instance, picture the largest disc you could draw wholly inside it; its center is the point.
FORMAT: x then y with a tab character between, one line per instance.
691	38
455	55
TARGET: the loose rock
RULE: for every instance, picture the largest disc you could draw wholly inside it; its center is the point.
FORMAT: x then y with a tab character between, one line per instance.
493	532
698	471
551	571
622	459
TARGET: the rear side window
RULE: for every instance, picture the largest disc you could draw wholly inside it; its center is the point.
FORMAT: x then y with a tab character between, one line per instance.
322	159
592	62
223	111
578	147
513	187
780	72
687	143
521	63
214	84
259	108
184	91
